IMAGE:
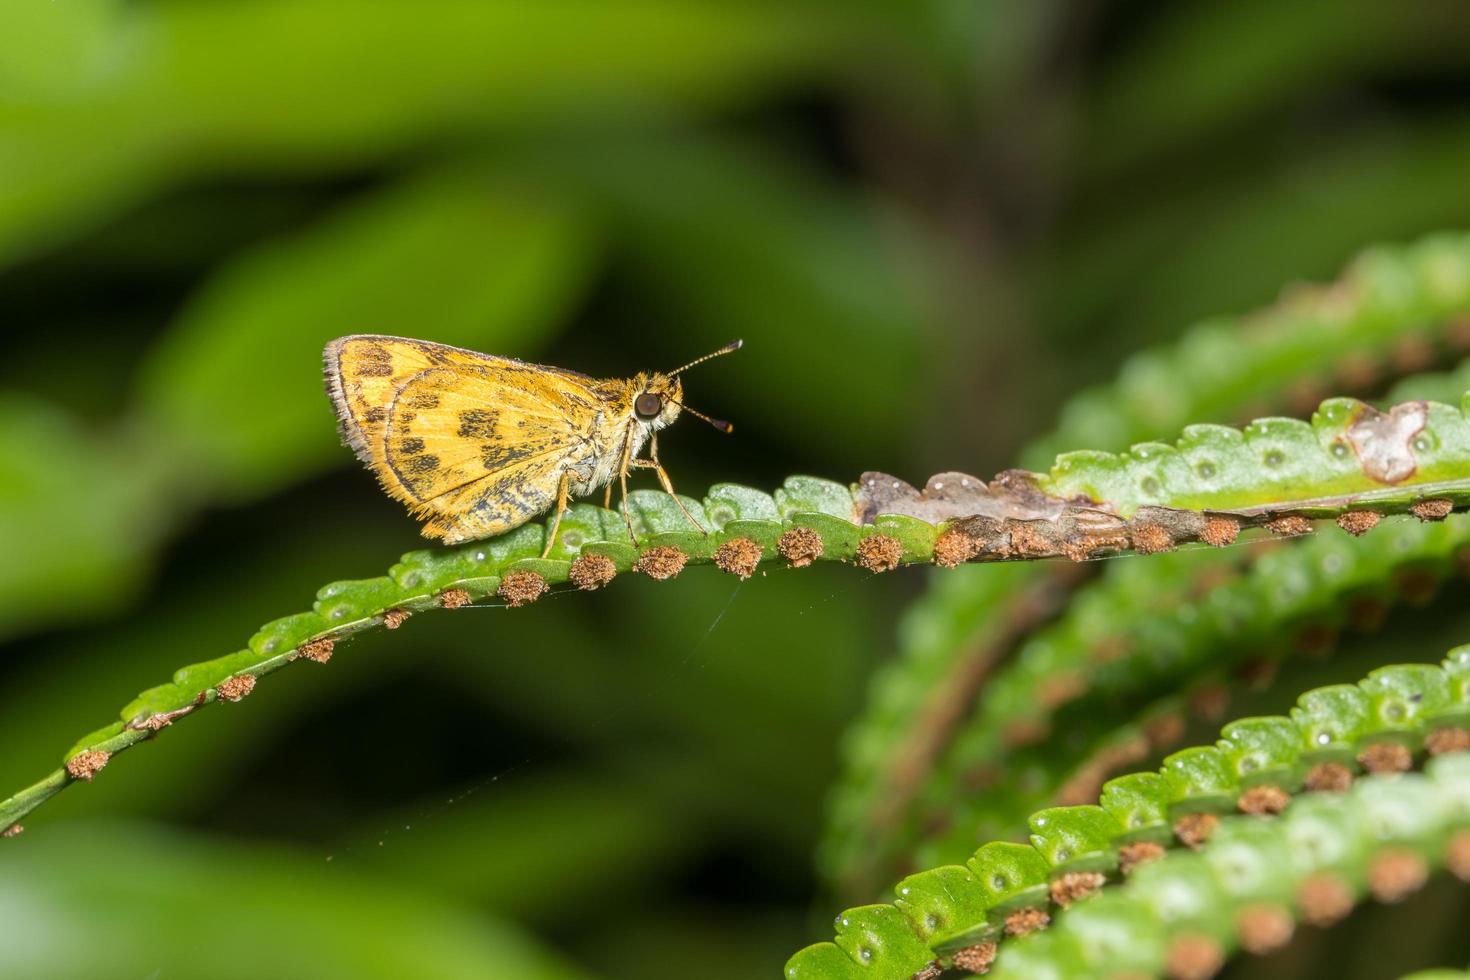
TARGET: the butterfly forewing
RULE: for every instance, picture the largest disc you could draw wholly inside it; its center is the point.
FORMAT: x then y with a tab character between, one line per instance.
476	444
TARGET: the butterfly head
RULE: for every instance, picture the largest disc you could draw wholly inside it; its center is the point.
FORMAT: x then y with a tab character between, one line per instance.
658	399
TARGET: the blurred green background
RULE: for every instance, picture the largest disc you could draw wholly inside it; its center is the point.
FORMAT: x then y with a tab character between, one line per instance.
930	221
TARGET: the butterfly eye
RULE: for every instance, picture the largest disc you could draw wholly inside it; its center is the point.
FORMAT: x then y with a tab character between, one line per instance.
648	405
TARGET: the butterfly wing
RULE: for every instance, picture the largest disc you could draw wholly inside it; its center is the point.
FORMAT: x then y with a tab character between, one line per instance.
474	444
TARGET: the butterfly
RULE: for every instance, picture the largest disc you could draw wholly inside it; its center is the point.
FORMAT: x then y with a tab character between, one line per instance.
476	445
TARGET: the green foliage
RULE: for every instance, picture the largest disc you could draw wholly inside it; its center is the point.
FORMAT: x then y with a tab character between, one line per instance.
1248	860
932	222
1143	631
1387	296
1253	867
953	637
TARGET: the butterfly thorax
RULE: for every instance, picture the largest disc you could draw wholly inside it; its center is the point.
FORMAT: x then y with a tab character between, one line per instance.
623	426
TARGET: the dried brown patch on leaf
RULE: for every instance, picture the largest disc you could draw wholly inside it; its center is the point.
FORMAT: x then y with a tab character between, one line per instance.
1029	539
954	547
1396	874
800	546
1220	531
879	553
1445	740
317	651
1012	494
739	556
1193	956
976	959
1432	510
1076	532
1138	852
1329	777
589	572
1025	921
1324	899
1358	522
1264	928
1150	539
153	723
521	588
1078	551
1384	440
1087	533
1074	886
932	970
1263	801
1457	855
1386	757
454	598
661	562
159	720
14	830
1289	525
1195	829
87	763
235	688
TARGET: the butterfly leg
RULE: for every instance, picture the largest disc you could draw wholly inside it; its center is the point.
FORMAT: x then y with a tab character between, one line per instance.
561	505
623	480
663	477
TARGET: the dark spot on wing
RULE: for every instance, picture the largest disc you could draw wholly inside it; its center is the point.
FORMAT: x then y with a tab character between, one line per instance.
376	362
422	401
477	423
373	415
410	446
419	465
496	456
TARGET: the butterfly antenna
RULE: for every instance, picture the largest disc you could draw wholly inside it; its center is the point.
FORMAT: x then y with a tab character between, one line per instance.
720	424
729	348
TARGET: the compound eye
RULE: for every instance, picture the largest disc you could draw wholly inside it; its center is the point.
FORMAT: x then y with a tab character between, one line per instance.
648	405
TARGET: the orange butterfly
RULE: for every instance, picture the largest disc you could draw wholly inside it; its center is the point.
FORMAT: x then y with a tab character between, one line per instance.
477	445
